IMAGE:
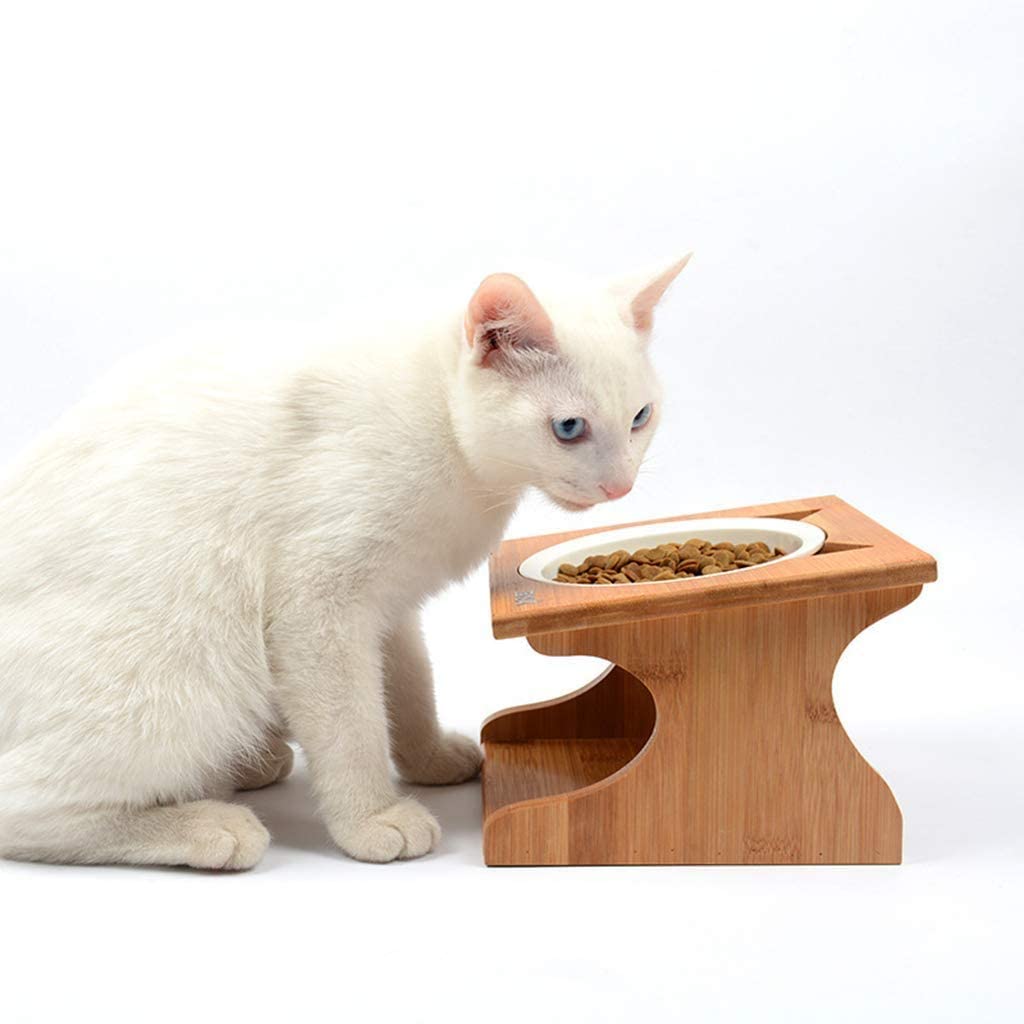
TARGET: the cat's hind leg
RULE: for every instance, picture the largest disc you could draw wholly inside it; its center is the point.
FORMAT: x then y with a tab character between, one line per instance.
272	762
206	834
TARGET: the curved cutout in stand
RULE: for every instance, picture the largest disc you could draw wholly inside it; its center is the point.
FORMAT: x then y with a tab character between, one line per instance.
568	744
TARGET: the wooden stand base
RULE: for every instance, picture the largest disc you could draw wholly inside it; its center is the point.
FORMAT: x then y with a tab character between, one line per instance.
712	738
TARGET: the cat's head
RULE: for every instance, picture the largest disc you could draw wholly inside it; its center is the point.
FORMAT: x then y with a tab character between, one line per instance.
559	394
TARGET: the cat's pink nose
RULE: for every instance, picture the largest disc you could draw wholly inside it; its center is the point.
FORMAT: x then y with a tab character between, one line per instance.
616	490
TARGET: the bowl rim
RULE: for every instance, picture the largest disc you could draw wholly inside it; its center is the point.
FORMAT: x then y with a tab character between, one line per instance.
811	539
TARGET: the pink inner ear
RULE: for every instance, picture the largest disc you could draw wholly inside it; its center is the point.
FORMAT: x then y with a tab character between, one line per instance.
504	308
643	304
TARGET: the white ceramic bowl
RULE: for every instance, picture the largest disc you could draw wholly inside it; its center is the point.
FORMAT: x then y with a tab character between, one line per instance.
793	537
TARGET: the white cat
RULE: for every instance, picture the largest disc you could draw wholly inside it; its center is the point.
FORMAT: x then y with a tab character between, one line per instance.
223	547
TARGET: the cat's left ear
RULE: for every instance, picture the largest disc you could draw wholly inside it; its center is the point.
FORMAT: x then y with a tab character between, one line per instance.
503	317
643	294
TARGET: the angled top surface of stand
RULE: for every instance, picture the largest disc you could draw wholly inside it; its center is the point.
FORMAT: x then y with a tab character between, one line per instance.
859	554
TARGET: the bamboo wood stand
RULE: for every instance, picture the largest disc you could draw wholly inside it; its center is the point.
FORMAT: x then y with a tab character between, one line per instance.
712	738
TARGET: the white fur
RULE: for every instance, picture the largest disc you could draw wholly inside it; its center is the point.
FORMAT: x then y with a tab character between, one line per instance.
227	542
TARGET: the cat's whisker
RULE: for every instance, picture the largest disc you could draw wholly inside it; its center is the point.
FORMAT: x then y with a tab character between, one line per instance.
508	462
509	503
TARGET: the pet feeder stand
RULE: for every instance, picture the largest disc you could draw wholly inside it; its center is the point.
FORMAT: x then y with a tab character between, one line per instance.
712	737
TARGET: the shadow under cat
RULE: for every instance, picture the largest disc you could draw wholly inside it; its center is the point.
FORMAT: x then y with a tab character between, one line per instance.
288	811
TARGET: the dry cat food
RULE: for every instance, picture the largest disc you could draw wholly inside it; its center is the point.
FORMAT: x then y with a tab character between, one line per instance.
669	561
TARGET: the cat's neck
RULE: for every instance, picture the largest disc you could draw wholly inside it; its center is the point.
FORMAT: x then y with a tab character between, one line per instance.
490	497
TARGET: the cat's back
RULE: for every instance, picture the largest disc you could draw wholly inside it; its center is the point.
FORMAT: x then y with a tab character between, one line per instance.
152	476
179	447
158	415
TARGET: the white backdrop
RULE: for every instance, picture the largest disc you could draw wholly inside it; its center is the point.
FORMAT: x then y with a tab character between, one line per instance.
850	177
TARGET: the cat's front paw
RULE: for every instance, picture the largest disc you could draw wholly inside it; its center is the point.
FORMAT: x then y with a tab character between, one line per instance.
455	758
222	837
402	831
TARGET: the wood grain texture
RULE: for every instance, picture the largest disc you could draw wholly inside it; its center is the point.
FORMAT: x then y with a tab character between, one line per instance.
614	705
713	737
860	555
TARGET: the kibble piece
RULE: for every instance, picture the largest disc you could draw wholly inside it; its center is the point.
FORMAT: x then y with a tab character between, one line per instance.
665	574
617	559
724	557
567	569
648	572
709	570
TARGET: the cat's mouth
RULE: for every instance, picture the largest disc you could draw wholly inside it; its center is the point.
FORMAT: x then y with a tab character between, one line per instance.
569	504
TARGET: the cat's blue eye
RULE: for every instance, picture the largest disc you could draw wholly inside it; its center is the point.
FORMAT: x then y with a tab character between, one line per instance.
571	429
642	416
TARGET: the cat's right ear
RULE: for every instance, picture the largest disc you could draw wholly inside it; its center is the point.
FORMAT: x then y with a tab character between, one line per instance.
643	293
504	316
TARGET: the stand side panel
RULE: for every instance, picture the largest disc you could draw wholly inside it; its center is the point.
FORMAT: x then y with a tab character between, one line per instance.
748	763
